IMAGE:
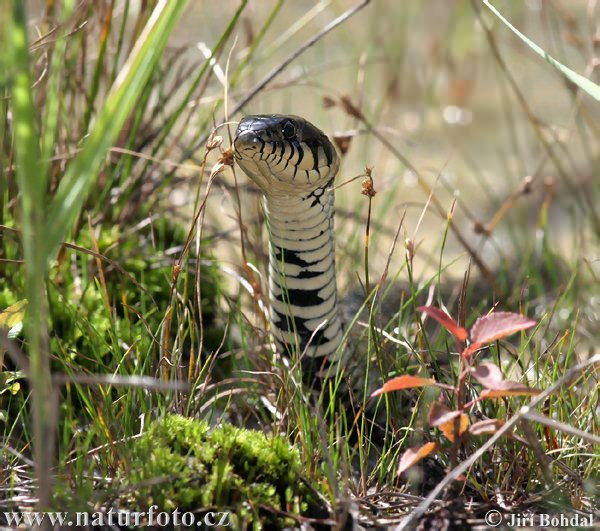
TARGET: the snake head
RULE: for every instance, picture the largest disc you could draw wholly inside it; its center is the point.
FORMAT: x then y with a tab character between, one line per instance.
284	154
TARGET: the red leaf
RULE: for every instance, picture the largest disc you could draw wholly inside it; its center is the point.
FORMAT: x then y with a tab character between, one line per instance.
498	325
488	375
509	389
470	350
445	320
486	427
440	414
414	455
444	418
403	382
449	428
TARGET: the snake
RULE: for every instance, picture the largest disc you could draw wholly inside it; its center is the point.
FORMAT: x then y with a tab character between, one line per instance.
294	164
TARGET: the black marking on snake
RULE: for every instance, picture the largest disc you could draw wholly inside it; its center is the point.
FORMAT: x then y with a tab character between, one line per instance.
301	297
293	324
290	225
308	301
300	154
304	274
316	195
289	257
325	278
262	144
293	258
328	150
282	154
277	153
311	238
314	147
305	229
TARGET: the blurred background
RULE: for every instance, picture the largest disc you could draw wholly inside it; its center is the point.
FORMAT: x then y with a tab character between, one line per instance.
477	114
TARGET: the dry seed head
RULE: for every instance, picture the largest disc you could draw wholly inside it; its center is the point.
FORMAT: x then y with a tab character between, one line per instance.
349	107
526	185
226	158
214	141
410	249
481	228
367	187
328	102
342	142
573	39
570	21
175	272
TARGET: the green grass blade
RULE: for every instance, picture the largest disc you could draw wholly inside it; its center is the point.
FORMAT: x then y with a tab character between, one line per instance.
25	127
582	82
31	179
83	170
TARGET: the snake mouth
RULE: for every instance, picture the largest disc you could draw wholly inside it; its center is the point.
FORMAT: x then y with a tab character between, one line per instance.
246	144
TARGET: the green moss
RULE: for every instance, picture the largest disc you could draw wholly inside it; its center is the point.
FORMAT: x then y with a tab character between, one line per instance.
86	318
184	464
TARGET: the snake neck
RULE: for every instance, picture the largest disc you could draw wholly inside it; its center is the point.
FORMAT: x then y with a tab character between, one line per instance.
302	280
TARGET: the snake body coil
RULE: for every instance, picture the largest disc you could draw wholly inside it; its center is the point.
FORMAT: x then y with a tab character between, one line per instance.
294	164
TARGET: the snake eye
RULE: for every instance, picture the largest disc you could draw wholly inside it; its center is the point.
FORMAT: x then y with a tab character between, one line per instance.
289	130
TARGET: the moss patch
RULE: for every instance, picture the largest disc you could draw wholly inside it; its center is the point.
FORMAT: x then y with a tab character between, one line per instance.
183	463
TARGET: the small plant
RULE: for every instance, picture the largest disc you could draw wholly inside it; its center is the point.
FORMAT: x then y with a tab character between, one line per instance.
454	422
